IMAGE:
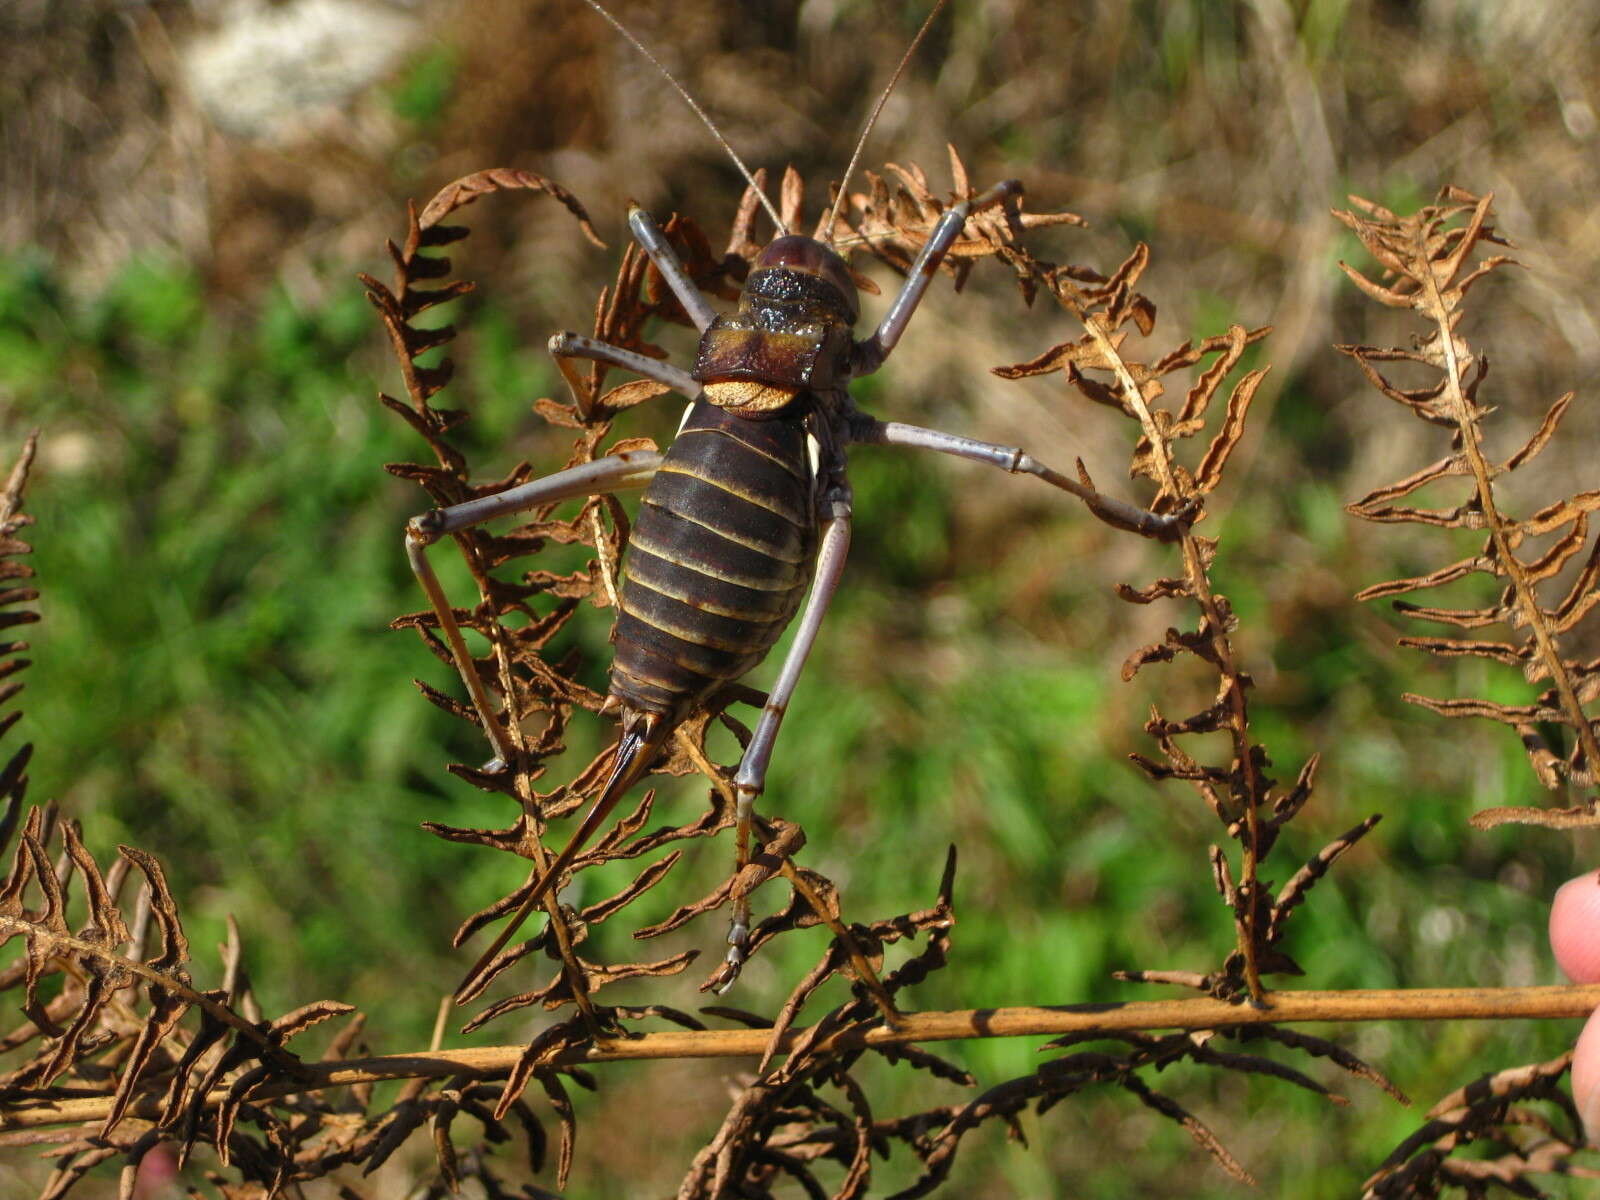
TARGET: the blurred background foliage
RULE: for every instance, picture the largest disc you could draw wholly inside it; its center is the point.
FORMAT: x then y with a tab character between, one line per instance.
190	186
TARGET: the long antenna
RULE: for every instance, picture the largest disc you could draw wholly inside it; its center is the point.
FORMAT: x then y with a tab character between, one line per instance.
872	119
701	113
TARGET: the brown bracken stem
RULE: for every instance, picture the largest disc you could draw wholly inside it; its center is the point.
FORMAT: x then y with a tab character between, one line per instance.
1200	585
1411	1004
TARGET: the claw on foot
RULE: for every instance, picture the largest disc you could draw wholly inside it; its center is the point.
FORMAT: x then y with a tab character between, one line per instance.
733	962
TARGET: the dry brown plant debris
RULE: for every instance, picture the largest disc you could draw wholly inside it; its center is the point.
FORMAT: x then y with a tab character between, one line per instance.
1430	261
81	989
113	1064
1496	1111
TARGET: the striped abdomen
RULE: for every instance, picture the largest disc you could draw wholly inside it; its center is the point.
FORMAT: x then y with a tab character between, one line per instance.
718	560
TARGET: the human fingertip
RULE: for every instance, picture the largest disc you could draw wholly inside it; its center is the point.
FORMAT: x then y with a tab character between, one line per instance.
1575	928
1586	1077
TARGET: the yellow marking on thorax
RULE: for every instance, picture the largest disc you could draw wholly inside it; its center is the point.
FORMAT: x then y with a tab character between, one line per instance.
750	397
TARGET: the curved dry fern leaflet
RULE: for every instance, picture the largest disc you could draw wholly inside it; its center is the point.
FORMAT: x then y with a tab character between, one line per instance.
1100	367
17	590
1542	569
1505	1120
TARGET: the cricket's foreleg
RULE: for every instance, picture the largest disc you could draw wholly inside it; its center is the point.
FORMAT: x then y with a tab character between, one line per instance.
865	430
869	354
648	234
751	779
631	469
565	347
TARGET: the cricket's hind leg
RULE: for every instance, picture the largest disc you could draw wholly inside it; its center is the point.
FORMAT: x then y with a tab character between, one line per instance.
631	469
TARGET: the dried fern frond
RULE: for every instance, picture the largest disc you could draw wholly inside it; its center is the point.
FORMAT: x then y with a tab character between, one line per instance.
533	690
1496	1112
1101	367
14	590
114	1044
1430	263
114	1026
114	1020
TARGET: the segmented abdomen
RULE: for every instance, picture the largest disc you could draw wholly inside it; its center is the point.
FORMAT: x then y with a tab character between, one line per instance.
718	560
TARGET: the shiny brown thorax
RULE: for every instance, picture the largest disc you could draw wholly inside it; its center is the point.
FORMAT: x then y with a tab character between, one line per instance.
791	333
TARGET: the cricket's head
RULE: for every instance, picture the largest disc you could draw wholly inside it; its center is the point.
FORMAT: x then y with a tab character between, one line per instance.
806	276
